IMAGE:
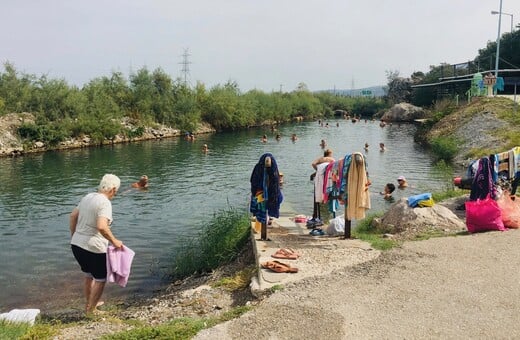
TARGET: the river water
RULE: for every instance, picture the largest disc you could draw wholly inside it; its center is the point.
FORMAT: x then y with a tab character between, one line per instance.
186	187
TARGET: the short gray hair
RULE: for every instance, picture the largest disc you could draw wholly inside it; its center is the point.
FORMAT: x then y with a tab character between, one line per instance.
108	182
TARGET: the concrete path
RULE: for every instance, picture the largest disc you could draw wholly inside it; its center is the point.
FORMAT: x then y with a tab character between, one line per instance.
465	287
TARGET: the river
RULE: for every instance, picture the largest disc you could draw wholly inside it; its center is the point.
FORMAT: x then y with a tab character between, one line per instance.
186	187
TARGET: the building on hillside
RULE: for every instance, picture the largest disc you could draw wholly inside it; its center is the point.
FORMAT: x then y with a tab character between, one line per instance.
459	81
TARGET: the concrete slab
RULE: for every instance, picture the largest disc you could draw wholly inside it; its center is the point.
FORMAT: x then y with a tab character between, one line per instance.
334	251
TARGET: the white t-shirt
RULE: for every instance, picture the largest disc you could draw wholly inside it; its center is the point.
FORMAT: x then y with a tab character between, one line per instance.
87	236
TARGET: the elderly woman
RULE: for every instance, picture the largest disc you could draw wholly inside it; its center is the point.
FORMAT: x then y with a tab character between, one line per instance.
90	230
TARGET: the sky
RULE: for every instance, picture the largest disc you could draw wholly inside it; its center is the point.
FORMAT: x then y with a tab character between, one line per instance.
269	45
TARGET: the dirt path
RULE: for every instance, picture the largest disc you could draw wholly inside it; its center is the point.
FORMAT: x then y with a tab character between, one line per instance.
444	288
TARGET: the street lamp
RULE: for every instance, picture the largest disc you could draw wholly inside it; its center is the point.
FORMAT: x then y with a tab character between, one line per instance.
498	38
503	13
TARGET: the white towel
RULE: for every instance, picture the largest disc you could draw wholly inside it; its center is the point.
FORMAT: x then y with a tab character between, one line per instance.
21	315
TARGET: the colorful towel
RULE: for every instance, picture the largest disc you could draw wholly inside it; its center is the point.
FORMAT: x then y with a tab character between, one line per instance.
267	181
358	195
482	185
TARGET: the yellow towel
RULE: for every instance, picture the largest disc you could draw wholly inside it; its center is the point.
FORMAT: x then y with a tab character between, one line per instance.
358	199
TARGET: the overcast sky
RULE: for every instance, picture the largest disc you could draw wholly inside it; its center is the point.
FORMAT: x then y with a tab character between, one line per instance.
263	44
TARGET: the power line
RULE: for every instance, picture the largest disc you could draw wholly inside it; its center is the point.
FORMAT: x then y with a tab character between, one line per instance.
185	66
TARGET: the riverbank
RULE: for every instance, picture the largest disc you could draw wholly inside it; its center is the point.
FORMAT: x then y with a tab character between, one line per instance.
11	145
203	298
446	287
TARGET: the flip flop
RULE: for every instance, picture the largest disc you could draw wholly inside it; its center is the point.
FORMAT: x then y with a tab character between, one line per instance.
279	267
289	251
284	254
292	251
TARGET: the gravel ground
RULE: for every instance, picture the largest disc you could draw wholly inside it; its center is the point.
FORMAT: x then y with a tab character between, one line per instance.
443	288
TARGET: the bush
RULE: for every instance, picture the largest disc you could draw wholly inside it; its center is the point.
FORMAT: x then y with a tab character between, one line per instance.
49	133
367	232
444	148
218	242
134	133
29	131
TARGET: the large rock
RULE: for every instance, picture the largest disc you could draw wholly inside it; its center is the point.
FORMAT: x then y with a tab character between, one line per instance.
403	112
400	218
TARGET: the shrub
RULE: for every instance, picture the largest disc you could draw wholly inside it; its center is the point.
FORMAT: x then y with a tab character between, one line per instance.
51	133
218	242
367	232
444	148
134	133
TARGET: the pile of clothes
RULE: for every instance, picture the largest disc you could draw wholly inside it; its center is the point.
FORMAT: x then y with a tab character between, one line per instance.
344	182
492	202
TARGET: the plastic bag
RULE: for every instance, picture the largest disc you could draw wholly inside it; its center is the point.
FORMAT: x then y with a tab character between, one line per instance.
510	211
336	226
414	200
483	215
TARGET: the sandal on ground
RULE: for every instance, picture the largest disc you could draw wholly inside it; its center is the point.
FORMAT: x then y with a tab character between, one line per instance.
279	267
286	253
291	251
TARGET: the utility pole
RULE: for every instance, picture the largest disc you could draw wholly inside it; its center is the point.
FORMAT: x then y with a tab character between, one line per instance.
185	66
498	39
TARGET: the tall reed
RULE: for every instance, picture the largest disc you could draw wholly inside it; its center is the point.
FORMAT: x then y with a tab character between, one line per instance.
220	240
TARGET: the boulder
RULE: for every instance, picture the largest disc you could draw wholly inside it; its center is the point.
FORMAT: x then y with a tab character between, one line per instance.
403	112
401	218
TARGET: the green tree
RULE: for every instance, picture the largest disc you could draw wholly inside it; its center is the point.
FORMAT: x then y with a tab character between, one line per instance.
143	92
15	91
101	105
162	106
399	88
117	87
55	99
222	106
509	53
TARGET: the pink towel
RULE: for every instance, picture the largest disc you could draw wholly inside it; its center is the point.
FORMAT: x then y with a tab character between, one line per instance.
119	262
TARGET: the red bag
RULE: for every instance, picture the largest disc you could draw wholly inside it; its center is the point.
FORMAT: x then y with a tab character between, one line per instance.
510	211
483	215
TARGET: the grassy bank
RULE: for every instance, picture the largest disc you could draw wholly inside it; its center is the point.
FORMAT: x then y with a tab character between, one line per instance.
220	241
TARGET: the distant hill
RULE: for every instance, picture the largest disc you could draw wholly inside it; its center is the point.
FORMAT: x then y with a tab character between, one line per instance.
373	91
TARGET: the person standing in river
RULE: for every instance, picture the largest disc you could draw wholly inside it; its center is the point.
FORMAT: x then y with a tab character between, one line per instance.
90	231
